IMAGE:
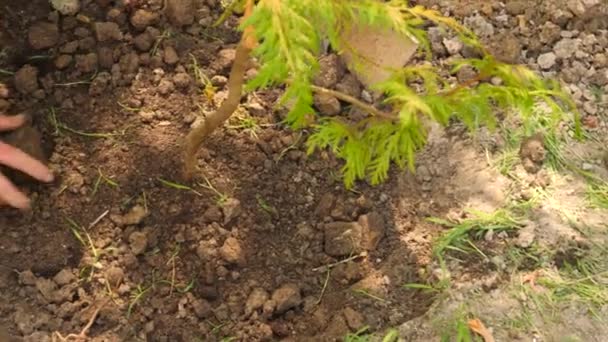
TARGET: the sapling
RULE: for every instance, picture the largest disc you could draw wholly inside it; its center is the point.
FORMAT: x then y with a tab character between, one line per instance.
285	36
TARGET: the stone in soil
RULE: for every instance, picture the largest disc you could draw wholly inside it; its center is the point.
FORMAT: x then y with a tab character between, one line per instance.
180	12
202	308
115	275
373	228
256	300
546	60
138	242
330	71
532	153
170	55
286	297
231	209
143	18
342	238
232	252
107	31
26	79
327	104
43	35
64	277
354	319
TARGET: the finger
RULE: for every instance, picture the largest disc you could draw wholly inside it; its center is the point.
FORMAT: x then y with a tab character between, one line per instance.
10	195
8	122
19	160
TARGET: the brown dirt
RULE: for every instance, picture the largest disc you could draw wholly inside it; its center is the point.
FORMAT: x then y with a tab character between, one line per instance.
247	261
284	200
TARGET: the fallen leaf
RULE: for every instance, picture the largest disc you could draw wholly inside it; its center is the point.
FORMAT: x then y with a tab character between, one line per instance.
481	330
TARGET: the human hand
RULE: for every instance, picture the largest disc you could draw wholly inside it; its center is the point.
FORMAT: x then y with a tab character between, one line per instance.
19	160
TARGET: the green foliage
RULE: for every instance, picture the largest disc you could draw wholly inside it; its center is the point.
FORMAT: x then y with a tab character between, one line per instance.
291	33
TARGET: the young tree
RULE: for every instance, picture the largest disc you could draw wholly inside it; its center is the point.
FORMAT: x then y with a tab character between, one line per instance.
285	36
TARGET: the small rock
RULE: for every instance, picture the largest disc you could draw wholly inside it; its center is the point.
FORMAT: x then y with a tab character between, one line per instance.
182	80
43	35
532	153
480	26
549	33
526	235
342	238
180	12
516	7
286	297
115	275
353	318
138	242
107	31
566	47
202	308
546	60
105	57
506	47
327	104
206	251
256	300
223	60
330	71
231	251
100	83
143	18
27	278
64	277
47	288
349	85
87	63
231	209
212	214
165	87
453	45
63	61
170	55
373	229
135	216
26	79
143	42
219	80
66	7
325	205
436	38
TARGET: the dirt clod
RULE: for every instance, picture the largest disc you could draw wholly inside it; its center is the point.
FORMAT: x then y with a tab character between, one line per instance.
256	300
43	35
138	242
143	18
232	252
286	297
180	12
107	31
532	153
26	79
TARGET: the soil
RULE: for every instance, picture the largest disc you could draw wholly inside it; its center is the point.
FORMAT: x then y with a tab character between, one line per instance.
254	249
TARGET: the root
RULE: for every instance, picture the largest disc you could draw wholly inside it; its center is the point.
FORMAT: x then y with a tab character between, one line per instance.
82	336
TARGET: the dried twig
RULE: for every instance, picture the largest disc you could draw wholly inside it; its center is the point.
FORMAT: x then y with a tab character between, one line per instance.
334	264
82	336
